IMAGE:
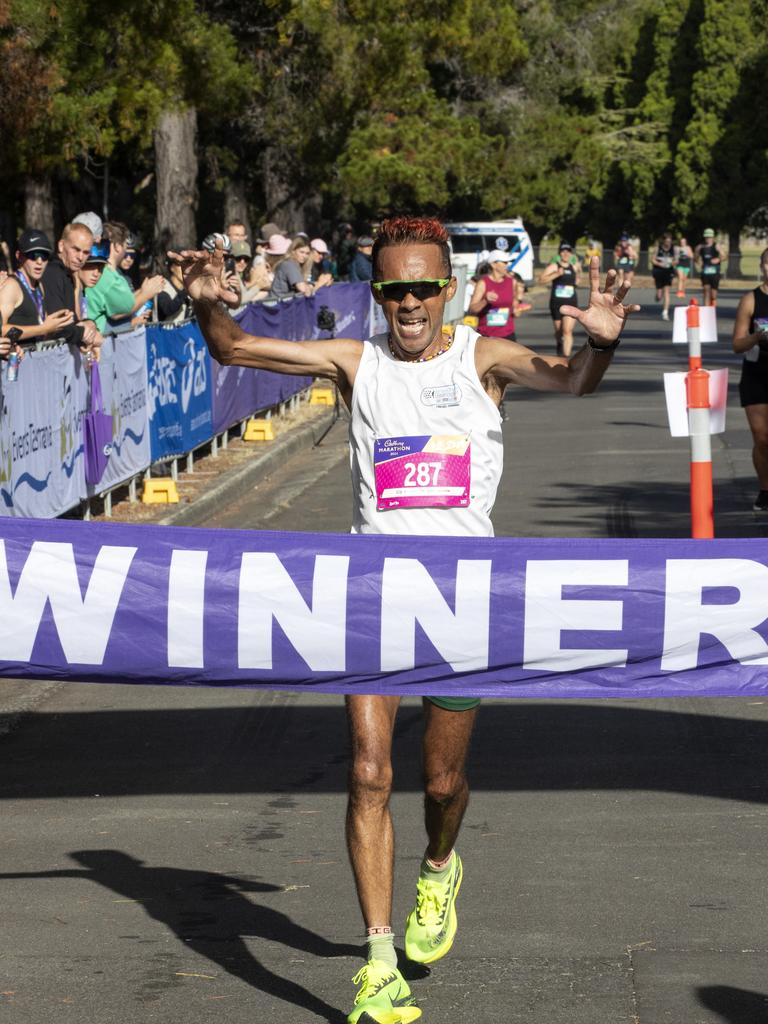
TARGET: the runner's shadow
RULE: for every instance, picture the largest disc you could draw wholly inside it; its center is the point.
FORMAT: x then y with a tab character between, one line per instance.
735	1005
212	916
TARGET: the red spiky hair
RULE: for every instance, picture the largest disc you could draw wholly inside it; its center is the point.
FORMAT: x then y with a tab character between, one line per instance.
412	230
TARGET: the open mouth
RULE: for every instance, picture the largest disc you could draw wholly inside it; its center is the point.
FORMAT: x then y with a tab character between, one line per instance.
411	328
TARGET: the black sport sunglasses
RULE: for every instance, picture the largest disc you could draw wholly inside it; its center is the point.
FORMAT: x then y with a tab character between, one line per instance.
427	288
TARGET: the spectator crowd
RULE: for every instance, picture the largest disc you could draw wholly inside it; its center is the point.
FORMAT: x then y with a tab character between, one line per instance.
98	280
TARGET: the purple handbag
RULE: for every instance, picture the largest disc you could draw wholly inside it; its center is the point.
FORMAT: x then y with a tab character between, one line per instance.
97	432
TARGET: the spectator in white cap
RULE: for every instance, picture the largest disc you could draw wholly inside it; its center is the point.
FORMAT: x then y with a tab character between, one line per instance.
321	269
93	222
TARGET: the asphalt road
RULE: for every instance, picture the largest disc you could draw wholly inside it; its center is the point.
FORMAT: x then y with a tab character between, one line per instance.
176	855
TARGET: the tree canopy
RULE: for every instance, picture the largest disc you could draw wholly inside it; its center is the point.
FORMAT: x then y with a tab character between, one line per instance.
578	115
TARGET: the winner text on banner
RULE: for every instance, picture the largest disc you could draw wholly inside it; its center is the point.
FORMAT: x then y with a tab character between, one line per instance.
382	614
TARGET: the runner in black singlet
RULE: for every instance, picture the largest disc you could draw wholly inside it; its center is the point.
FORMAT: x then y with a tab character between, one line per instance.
750	337
563	274
710	257
663	271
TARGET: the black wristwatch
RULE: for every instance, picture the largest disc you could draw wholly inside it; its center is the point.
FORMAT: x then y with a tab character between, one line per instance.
14	335
603	348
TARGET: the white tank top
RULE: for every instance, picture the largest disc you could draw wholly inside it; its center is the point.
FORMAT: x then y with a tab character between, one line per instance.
403	404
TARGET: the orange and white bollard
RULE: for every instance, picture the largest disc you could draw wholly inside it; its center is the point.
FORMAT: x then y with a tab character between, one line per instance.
697	391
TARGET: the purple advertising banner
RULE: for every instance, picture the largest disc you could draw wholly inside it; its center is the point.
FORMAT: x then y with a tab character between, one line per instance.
239	392
382	614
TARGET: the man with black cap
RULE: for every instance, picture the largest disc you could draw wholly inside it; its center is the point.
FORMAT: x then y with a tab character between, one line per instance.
22	299
362	265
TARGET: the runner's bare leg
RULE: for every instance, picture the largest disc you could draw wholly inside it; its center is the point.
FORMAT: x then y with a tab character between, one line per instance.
446	792
370	835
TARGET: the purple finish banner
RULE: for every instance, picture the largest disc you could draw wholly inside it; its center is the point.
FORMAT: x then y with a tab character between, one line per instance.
381	614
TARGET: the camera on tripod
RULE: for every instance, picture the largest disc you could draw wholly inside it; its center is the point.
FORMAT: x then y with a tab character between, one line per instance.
326	319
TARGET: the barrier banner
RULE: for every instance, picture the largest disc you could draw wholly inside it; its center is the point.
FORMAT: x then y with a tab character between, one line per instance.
239	392
339	613
123	369
41	445
179	400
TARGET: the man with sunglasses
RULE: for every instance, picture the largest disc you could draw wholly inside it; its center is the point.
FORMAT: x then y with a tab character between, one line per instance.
419	379
22	298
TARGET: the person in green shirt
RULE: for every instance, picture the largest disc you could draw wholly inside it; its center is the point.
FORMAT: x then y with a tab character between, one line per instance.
112	299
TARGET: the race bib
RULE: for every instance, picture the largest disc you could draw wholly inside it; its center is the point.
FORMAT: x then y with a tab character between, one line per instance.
625	261
427	471
564	291
761	325
498	317
710	270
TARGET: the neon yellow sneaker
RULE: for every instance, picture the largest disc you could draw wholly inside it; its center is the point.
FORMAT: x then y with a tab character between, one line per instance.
384	996
431	925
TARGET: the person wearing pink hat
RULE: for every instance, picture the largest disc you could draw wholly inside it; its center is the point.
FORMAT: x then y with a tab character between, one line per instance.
320	273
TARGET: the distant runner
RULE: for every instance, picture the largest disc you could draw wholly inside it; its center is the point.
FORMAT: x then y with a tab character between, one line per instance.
625	258
493	300
420	379
683	264
709	256
750	337
663	271
563	273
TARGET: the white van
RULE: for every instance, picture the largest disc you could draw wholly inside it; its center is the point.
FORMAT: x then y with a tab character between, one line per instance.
471	241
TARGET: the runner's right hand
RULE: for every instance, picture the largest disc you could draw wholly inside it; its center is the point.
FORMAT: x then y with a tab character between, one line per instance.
204	275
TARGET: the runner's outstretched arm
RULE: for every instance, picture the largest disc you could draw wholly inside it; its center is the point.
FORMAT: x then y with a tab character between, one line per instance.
603	320
228	343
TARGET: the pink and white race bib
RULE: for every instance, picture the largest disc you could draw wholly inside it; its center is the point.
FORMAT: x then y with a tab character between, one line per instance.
428	471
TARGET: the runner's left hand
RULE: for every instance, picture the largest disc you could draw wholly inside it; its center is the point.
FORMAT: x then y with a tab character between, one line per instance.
606	314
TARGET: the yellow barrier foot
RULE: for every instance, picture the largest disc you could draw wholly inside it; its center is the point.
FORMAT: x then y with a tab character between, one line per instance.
160	490
259	430
322	396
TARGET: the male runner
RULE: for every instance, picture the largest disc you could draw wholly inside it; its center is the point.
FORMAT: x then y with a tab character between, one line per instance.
389	385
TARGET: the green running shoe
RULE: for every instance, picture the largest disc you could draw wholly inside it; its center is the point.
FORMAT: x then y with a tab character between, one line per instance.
431	925
384	996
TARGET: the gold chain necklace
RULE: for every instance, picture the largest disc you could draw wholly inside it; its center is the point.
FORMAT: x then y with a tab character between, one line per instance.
423	359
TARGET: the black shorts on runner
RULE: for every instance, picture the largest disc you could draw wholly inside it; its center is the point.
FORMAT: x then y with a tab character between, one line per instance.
753	386
662	276
554	307
713	280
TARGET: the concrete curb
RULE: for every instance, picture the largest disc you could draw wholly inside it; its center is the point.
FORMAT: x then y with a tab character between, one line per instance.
238	481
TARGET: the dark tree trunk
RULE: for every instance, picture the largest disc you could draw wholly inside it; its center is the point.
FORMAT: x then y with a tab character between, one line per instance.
284	206
38	205
236	205
176	171
734	253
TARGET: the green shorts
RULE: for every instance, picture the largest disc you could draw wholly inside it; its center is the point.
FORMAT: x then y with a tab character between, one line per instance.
455	703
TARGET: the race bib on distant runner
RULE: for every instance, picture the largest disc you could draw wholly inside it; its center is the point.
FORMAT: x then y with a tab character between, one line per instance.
761	325
427	471
710	270
564	291
498	317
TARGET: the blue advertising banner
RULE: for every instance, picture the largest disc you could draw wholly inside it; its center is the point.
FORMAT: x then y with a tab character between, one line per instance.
123	372
179	399
41	443
451	616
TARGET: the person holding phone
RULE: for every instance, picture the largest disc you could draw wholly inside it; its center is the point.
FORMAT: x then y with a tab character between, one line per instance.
750	338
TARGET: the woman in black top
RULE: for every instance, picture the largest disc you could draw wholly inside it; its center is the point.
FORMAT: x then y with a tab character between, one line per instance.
709	256
750	337
663	271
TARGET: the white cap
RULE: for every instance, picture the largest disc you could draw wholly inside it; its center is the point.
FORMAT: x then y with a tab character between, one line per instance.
93	222
497	256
